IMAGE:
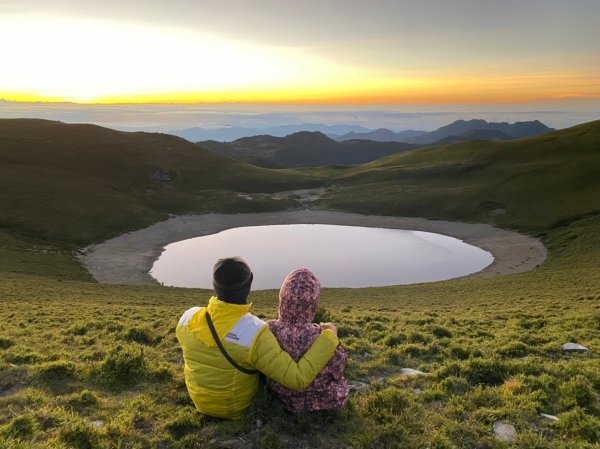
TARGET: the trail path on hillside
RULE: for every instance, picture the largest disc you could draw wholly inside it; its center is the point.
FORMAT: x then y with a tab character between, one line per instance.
127	259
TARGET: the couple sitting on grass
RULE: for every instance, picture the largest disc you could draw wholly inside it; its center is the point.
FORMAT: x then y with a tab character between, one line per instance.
225	347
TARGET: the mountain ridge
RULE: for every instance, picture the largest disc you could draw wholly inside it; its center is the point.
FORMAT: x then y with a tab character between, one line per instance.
231	133
304	149
455	129
84	179
80	184
350	132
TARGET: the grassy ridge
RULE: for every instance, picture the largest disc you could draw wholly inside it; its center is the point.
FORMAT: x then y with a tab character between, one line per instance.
84	365
64	186
78	184
530	184
88	183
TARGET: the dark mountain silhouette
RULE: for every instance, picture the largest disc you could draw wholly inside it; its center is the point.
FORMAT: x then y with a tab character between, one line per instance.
474	134
314	149
354	132
304	149
231	133
381	135
460	127
457	131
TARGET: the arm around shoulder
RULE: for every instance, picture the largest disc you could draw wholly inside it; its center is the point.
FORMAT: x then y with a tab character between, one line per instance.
267	356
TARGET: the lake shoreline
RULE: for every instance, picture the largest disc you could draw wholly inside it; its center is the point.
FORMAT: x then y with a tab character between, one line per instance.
127	259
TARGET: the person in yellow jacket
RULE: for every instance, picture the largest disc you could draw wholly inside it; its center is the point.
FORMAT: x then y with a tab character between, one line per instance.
221	370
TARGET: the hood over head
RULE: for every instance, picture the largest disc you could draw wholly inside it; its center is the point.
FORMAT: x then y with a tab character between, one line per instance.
299	297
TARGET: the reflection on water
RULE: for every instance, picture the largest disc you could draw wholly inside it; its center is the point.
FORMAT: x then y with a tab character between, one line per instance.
340	256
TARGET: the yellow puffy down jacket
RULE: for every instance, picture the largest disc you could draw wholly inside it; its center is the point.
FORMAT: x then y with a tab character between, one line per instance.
219	389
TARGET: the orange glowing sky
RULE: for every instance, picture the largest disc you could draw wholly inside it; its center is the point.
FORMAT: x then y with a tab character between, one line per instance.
187	51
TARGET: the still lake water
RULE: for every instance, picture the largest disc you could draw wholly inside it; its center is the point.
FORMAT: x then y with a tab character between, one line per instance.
340	256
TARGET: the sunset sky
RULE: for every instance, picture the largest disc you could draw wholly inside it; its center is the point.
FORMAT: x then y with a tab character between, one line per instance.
340	51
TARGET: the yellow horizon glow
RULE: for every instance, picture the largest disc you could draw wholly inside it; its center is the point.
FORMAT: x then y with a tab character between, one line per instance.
85	61
380	91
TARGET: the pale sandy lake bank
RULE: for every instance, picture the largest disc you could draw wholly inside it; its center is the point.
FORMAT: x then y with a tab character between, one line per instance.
127	259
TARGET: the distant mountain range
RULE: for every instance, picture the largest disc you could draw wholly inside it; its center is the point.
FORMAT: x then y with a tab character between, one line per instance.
231	133
304	149
458	131
315	149
381	135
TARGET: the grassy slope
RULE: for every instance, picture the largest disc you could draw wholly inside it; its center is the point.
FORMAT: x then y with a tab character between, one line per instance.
72	352
88	182
66	186
304	149
530	184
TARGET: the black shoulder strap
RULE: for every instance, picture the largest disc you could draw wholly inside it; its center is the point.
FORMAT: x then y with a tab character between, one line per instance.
223	351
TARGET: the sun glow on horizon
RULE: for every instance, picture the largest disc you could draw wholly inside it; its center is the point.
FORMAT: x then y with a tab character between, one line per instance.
89	61
56	59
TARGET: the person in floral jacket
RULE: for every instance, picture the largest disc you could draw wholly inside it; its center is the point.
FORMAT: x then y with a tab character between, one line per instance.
295	332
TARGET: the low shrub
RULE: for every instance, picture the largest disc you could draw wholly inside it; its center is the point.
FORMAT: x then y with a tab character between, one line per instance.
50	417
466	435
57	371
514	349
348	331
412	350
439	441
377	336
141	335
455	385
23	427
84	399
77	329
394	340
418	337
577	423
322	316
394	357
20	356
458	352
579	391
375	326
122	367
441	332
6	343
390	400
79	435
486	371
532	323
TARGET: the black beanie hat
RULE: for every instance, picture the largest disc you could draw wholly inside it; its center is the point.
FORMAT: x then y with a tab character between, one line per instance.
232	279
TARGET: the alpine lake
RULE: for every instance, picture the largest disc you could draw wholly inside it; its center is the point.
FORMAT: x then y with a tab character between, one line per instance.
340	256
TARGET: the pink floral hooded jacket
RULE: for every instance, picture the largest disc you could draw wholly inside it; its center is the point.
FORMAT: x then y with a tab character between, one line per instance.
295	332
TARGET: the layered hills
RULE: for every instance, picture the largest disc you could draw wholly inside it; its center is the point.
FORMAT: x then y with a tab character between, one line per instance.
304	149
459	130
531	183
230	133
78	184
315	149
455	130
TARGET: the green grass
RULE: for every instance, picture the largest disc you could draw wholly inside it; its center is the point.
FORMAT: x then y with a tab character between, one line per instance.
85	365
79	184
529	184
84	352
